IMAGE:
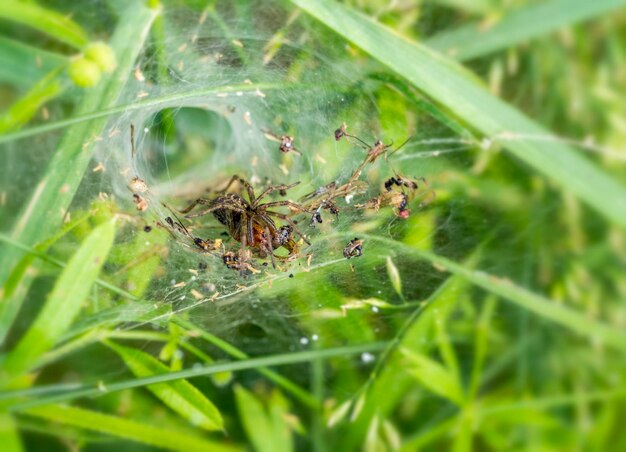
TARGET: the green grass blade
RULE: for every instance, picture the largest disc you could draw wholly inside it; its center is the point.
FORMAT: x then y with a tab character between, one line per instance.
181	396
15	288
508	290
9	436
52	196
289	386
163	101
22	111
451	86
23	65
434	376
64	302
260	427
125	428
537	304
518	26
62	394
46	21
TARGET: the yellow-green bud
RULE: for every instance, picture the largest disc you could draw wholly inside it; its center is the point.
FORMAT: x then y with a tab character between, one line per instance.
101	54
84	73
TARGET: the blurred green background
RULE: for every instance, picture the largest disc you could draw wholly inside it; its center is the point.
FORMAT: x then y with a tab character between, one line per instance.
493	318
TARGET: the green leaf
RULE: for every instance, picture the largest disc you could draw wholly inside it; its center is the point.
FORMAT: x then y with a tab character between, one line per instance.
126	428
64	302
394	276
451	86
268	432
181	396
538	19
15	288
23	65
46	21
52	196
61	393
22	111
9	436
535	303
434	376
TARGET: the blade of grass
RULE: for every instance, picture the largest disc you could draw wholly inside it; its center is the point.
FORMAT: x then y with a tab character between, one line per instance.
23	65
63	303
61	394
46	21
15	287
518	26
265	432
9	437
387	383
450	85
22	110
508	290
181	396
52	196
163	101
233	351
125	428
434	376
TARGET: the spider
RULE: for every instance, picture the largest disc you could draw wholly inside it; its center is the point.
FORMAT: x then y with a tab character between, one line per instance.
250	221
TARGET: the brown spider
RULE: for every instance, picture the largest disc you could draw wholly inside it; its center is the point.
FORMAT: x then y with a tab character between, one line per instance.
250	222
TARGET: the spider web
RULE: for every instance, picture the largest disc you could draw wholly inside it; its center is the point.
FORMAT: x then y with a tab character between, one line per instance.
223	88
202	120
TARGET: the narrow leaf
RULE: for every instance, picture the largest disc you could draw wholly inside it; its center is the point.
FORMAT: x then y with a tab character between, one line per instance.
181	396
266	433
28	105
518	26
434	376
46	21
126	428
64	302
394	276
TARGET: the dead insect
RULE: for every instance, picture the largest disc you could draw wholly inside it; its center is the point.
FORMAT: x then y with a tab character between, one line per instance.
140	202
285	141
250	221
233	261
354	248
316	218
399	200
341	131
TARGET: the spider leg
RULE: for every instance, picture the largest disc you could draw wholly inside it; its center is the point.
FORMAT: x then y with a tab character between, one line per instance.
272	189
270	248
249	189
216	206
242	256
233	179
290	204
291	223
190	207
